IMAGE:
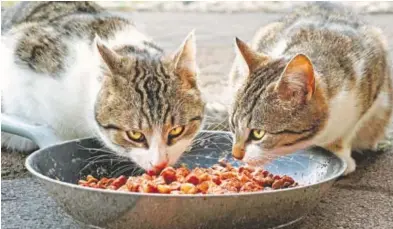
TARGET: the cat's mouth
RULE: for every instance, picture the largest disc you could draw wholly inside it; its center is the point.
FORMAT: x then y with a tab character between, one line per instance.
157	168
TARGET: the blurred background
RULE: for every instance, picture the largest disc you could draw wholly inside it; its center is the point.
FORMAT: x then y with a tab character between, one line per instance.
228	6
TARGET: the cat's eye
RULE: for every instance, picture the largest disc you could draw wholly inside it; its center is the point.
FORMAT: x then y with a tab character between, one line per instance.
257	134
136	136
176	131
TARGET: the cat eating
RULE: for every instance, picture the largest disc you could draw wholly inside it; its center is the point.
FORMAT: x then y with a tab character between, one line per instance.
320	76
76	68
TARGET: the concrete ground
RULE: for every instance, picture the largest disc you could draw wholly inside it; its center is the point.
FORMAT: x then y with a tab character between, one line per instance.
362	200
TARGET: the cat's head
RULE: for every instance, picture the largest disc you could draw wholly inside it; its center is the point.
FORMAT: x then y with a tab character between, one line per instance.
279	107
150	108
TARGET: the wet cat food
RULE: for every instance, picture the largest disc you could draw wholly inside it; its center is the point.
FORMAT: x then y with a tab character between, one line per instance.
218	179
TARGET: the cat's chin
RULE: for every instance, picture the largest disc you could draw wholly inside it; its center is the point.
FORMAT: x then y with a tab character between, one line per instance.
256	156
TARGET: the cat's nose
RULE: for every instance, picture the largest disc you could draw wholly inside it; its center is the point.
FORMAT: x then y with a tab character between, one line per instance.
238	151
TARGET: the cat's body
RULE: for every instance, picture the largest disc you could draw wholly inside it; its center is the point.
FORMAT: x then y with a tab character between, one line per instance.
342	100
48	93
57	74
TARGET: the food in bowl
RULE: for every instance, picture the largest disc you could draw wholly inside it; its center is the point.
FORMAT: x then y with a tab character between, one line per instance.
219	179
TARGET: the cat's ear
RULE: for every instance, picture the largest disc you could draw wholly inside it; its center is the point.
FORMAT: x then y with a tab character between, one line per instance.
184	61
252	59
115	62
297	79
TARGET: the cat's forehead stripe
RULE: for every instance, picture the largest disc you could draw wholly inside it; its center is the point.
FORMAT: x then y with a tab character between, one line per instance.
136	72
140	90
152	87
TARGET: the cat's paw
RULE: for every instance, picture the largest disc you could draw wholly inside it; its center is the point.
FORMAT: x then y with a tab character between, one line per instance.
383	145
351	165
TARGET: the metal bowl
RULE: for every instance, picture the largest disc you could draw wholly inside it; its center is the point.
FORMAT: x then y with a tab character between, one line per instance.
61	165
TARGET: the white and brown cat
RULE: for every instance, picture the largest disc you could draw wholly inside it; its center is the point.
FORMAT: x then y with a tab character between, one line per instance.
320	76
142	103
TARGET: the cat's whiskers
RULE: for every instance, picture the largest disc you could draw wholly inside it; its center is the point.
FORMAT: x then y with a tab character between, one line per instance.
292	158
288	160
199	156
136	171
222	125
121	170
109	156
104	158
98	157
102	149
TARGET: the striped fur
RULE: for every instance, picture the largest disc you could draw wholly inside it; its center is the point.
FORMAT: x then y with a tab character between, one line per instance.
343	103
83	71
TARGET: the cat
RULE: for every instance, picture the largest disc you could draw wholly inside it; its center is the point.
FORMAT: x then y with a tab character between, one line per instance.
84	72
318	77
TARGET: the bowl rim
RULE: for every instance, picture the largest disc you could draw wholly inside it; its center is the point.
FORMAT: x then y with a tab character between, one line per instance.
30	158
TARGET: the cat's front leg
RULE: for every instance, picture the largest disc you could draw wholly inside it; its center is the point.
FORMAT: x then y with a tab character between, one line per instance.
344	152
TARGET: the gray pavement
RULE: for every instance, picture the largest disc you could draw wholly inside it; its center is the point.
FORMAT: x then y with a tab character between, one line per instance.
362	200
25	205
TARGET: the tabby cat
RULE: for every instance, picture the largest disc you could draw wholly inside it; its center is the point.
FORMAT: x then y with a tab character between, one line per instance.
83	71
320	76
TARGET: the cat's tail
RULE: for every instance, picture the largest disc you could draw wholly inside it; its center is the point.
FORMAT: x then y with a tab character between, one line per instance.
216	116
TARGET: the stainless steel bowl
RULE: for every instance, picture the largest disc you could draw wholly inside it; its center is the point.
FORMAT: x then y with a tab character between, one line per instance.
60	165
